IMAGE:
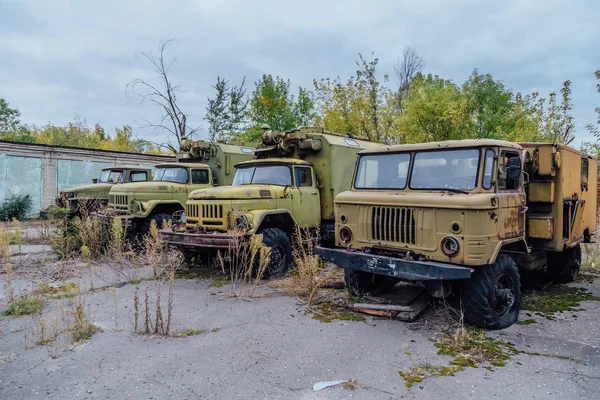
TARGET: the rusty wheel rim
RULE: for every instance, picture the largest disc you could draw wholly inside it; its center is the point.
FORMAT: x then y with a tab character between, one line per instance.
503	296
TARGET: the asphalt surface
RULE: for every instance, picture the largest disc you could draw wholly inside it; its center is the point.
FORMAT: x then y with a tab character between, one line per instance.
269	347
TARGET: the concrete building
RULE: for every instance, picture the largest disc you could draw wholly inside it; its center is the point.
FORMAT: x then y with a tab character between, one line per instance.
42	171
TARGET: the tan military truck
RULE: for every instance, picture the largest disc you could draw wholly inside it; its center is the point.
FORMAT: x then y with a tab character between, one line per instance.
292	182
471	212
95	196
201	164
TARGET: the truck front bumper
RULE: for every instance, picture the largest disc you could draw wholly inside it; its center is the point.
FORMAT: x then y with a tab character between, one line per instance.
403	269
198	241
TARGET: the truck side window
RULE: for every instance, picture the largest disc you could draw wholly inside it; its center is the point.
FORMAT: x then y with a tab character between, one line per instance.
504	183
139	176
584	172
199	176
488	169
303	176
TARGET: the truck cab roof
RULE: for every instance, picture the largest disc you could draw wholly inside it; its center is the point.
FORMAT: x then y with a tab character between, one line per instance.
131	167
448	144
274	160
182	164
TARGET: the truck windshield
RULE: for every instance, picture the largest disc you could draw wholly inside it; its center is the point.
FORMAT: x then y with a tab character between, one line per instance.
171	174
445	169
382	171
112	175
265	174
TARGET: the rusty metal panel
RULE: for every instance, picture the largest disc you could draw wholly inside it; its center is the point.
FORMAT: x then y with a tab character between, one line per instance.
541	191
541	227
545	160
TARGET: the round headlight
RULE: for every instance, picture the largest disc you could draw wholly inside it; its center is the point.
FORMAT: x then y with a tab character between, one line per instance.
182	218
450	246
346	234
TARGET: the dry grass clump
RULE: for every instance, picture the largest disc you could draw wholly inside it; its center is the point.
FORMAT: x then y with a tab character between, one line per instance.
163	263
245	262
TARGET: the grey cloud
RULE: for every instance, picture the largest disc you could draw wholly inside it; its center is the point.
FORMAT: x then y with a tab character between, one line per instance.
84	55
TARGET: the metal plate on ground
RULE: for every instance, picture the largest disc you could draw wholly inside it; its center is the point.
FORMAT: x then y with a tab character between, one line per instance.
404	302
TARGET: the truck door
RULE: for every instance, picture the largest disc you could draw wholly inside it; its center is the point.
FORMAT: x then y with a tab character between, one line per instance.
306	202
200	179
511	196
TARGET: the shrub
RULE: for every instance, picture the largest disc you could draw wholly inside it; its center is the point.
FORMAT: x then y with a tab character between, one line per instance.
15	207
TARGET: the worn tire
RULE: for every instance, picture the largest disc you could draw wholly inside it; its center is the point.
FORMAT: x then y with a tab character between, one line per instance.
361	283
144	227
492	297
280	250
564	267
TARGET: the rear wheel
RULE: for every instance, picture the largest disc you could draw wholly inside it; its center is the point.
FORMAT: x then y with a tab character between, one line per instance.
564	267
361	283
280	252
492	297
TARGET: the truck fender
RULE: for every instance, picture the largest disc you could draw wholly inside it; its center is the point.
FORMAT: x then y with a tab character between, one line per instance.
277	218
518	245
148	206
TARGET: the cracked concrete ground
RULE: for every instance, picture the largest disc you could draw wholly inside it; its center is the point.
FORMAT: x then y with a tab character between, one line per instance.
269	347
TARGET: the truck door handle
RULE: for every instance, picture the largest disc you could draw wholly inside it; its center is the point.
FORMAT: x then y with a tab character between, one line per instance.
313	193
523	209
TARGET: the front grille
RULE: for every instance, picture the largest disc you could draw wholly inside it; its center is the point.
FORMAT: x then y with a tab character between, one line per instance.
191	211
212	211
118	199
208	215
394	224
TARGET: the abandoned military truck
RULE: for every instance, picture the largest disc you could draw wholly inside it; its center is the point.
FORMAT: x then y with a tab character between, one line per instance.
291	183
465	215
200	164
95	196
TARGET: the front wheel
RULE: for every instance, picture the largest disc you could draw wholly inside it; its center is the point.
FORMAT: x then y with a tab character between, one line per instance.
361	283
280	252
564	267
492	297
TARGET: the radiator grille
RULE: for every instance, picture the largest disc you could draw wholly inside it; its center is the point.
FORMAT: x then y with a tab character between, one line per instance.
118	199
394	224
212	211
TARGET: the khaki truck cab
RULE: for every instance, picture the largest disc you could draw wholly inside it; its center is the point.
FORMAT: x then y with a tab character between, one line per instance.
471	212
201	165
95	196
291	182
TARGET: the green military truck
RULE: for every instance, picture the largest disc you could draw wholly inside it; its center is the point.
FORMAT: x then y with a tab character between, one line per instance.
95	196
201	164
465	215
291	182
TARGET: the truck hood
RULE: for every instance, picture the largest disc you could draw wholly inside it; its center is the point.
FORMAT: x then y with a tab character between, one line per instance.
93	188
148	187
423	199
242	192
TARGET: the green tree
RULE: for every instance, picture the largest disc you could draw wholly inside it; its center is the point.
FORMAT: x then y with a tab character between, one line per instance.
490	107
226	111
272	103
593	147
11	128
434	109
359	106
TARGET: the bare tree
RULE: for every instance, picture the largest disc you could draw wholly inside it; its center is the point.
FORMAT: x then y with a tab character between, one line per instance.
163	95
406	68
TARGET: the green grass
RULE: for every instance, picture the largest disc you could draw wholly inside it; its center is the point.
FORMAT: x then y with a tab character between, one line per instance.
28	306
556	298
188	332
527	321
328	311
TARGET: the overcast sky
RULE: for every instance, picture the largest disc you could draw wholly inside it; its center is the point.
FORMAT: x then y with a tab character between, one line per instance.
59	58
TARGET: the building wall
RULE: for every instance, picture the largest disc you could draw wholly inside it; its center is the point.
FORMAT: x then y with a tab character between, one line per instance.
42	171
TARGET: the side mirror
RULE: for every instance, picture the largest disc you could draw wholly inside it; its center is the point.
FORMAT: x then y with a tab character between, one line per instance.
513	168
94	180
